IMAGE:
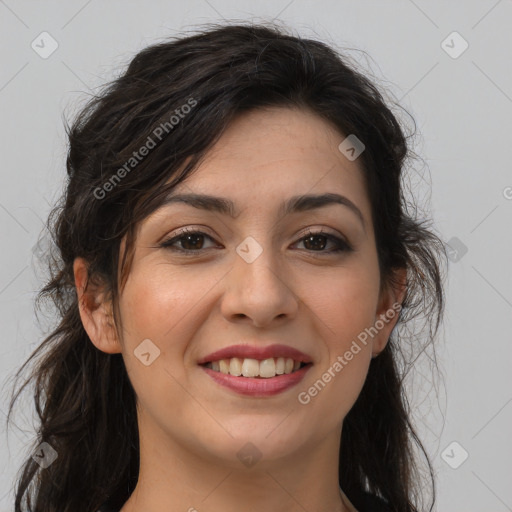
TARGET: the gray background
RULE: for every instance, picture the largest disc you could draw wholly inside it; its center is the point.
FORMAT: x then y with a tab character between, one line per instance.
462	106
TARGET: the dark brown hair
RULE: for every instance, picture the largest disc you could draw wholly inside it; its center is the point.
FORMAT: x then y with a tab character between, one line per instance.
83	397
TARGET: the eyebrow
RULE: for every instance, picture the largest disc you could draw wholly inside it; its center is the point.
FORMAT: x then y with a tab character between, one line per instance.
292	205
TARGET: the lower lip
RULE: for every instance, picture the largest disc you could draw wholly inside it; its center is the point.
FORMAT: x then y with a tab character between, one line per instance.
258	387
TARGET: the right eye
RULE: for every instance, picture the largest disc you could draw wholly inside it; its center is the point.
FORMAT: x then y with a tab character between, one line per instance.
186	236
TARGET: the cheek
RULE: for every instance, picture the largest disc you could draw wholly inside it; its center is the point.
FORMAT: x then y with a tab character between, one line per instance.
328	398
349	302
153	303
344	312
165	306
345	309
156	306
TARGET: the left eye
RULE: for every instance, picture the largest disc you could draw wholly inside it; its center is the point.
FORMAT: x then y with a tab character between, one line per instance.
339	244
192	239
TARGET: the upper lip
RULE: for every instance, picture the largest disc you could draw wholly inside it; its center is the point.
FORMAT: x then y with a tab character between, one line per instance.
256	352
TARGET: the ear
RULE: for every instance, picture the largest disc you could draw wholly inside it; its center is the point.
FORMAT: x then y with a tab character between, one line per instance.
95	310
388	310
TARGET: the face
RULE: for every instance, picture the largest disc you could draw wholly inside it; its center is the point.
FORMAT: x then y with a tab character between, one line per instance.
307	279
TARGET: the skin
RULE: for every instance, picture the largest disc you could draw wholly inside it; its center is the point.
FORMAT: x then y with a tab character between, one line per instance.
189	306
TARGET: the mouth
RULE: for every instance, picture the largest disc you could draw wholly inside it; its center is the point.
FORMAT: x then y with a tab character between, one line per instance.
256	369
256	378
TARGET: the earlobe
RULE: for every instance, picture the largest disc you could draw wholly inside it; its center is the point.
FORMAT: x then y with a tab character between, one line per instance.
95	310
388	311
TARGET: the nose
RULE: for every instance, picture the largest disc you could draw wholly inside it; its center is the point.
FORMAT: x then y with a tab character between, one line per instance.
259	292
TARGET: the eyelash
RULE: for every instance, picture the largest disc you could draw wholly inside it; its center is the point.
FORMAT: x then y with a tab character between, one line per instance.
341	245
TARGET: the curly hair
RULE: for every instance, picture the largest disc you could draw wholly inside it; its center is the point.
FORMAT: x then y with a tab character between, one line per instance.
85	403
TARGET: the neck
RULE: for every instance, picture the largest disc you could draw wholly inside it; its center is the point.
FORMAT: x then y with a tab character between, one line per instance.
174	478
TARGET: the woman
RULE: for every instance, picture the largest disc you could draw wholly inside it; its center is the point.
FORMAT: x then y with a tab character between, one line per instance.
234	254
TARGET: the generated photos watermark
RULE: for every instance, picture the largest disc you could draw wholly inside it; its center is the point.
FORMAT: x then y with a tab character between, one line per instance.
305	397
151	142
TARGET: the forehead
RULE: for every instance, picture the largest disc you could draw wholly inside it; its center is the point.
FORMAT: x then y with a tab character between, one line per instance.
270	154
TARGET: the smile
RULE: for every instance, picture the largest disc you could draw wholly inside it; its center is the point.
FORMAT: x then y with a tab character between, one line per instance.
253	368
250	382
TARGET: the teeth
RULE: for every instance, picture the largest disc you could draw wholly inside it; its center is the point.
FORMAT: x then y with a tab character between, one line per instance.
253	368
224	365
250	368
267	368
235	366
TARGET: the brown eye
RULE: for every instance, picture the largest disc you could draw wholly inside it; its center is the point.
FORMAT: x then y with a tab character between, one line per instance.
192	242
189	240
317	241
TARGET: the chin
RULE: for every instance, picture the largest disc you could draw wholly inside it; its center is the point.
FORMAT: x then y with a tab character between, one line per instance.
264	441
